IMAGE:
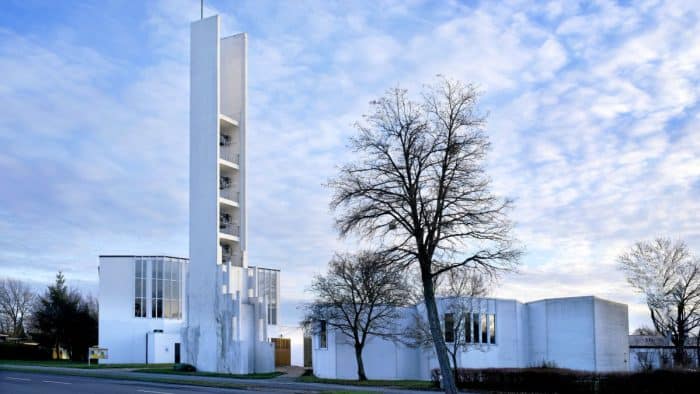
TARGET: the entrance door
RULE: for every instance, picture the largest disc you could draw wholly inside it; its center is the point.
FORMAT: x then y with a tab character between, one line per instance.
177	353
283	353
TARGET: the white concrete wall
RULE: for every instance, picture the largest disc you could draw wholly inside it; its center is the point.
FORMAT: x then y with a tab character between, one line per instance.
204	296
118	330
611	336
564	333
581	333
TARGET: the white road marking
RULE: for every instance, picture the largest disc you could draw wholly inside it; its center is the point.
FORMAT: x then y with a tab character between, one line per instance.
53	381
154	392
22	379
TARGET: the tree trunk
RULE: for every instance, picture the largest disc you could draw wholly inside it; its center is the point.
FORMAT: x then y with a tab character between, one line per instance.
454	365
360	365
448	383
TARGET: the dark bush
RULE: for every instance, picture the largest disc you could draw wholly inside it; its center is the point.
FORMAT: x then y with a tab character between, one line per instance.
543	380
20	351
184	367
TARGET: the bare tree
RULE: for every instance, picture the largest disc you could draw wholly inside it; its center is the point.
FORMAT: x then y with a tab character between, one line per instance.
16	300
360	296
419	186
459	292
669	277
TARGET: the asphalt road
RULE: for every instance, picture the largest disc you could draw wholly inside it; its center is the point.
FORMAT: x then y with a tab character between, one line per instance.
12	382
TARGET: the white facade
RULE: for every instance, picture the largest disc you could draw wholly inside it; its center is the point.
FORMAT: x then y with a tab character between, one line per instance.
226	329
143	307
584	333
134	331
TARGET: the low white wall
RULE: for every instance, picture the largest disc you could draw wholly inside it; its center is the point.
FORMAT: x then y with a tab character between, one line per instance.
582	333
161	347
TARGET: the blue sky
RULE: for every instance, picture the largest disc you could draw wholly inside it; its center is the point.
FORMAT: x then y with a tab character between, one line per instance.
593	116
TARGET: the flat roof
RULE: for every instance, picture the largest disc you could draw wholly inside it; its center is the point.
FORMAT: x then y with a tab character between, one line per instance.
140	255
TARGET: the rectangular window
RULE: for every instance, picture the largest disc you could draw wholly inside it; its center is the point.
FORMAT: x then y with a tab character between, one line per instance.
323	336
166	297
267	288
468	328
484	332
140	288
449	327
475	325
492	328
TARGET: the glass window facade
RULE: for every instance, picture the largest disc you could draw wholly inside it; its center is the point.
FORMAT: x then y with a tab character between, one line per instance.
164	297
268	283
492	328
140	288
166	281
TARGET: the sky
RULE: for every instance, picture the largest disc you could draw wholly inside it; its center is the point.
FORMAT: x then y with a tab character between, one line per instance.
593	114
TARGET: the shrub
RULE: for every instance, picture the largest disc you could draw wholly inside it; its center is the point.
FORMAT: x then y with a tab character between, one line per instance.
543	380
20	351
182	367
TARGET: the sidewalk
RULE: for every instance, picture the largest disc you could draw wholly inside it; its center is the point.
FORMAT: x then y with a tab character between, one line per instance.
280	383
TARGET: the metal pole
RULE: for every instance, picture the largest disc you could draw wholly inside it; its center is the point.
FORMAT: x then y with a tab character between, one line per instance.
201	9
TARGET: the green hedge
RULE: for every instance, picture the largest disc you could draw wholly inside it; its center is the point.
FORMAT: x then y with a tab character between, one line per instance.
19	351
545	380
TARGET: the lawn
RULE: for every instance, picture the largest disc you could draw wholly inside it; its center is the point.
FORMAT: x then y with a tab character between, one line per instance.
171	371
81	365
402	384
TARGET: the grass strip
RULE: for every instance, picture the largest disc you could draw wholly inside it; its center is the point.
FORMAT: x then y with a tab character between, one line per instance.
401	384
268	375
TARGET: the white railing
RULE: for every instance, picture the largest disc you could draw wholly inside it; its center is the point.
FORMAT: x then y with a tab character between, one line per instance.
231	154
230	194
230	229
235	260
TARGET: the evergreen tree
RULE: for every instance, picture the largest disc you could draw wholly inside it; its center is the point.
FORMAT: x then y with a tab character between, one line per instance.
63	319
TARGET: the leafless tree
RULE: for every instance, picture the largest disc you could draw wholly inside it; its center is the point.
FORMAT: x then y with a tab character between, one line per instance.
16	300
645	331
360	296
418	186
669	277
459	292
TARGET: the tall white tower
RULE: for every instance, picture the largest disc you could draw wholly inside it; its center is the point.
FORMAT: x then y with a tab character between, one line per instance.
226	330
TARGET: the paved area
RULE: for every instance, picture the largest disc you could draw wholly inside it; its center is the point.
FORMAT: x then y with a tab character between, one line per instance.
31	379
29	383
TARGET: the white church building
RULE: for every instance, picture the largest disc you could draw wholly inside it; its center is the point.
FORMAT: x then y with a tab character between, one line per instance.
582	333
213	310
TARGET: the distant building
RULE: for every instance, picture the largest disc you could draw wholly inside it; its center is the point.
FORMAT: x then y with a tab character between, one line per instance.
583	333
655	351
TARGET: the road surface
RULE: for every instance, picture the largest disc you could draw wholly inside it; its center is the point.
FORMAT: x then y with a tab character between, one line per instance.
15	382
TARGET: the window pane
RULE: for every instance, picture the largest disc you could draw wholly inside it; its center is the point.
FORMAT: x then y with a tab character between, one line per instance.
484	333
323	337
449	327
492	328
475	326
467	328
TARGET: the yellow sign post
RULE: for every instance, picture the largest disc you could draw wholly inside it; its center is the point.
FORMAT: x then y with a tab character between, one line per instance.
96	353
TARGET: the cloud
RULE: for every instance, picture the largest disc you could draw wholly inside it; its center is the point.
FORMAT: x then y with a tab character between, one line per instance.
593	118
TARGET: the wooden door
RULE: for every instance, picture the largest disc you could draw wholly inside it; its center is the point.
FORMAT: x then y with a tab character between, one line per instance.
283	351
